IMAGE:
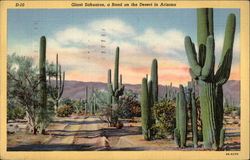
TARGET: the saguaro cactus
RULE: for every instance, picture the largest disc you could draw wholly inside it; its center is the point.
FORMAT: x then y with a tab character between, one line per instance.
146	109
115	90
181	118
177	131
42	77
57	91
202	69
86	99
154	78
169	92
193	114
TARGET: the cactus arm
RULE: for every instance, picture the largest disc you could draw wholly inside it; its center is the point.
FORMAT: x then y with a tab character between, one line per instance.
224	67
223	73
150	93
208	67
192	74
191	55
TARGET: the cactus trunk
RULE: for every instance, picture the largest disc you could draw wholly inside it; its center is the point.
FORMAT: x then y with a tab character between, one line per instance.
145	110
194	117
42	85
182	117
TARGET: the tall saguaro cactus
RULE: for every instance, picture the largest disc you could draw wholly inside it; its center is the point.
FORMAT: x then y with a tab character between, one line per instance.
202	69
42	77
114	90
146	109
57	91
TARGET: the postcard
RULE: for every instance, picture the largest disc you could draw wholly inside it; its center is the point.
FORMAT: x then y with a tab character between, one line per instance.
132	79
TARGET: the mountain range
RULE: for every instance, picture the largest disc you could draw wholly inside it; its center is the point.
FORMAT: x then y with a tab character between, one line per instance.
76	89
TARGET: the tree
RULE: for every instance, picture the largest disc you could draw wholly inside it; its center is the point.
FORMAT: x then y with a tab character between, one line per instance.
23	82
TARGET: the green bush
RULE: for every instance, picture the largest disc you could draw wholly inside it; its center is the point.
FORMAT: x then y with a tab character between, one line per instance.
229	109
164	113
16	113
64	111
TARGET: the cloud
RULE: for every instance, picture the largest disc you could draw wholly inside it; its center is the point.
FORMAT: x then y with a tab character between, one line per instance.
112	27
80	50
169	42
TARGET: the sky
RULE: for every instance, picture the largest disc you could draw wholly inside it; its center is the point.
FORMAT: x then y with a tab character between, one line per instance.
86	40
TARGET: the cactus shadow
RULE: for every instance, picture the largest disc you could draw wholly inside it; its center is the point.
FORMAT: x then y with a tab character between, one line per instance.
83	133
234	134
232	146
78	122
125	131
53	147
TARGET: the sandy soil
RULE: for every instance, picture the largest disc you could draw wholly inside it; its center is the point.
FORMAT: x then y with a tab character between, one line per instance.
79	133
65	134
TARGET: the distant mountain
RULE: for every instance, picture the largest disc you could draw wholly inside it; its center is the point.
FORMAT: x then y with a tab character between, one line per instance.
76	89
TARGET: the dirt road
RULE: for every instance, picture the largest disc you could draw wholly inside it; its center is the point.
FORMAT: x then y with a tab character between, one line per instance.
71	134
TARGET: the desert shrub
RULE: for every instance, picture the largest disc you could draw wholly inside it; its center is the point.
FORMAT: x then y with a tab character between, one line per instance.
81	112
129	105
229	109
67	102
16	112
78	106
64	111
164	114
